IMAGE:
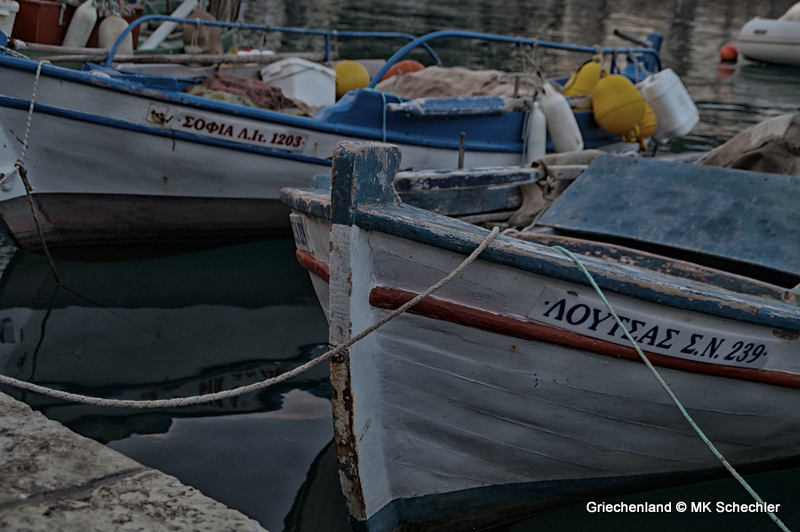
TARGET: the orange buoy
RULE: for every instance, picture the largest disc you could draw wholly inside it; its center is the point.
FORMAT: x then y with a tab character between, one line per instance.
728	54
403	67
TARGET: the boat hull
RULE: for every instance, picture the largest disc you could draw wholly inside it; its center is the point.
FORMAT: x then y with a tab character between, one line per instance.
483	406
771	41
98	144
68	220
512	386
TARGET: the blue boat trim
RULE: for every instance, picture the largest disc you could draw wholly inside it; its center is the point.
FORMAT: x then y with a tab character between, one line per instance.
498	133
14	103
451	106
449	179
313	201
436	230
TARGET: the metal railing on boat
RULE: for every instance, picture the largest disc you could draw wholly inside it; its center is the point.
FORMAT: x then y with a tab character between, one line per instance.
327	34
425	39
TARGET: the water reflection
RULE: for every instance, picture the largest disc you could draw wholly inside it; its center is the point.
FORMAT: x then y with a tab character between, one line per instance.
172	327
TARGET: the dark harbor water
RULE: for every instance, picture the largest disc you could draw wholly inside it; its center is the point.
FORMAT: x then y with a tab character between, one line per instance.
215	319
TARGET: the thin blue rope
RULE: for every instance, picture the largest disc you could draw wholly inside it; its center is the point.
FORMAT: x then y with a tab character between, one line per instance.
383	97
664	385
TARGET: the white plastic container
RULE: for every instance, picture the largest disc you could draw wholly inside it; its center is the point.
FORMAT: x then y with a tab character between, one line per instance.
8	14
561	122
535	134
81	25
299	79
675	111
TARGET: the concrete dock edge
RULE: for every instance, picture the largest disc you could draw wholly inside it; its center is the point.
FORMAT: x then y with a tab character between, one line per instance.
54	479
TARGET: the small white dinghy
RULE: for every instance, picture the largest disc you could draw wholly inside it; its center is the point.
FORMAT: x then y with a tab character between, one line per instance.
773	41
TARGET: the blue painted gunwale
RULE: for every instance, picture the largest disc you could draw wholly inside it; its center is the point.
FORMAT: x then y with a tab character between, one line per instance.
458	192
363	196
426	181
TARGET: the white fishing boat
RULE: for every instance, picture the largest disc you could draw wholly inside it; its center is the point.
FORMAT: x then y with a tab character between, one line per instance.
512	389
114	156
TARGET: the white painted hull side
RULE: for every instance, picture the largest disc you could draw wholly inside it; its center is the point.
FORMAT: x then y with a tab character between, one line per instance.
771	41
98	102
130	164
442	407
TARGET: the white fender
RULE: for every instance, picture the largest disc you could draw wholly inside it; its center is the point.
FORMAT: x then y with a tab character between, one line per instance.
561	122
81	25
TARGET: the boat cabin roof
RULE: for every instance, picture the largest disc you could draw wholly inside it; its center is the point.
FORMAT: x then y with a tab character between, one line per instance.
734	220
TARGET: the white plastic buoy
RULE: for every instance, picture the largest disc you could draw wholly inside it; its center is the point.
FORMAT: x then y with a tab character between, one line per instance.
8	14
536	134
109	31
675	111
561	122
81	25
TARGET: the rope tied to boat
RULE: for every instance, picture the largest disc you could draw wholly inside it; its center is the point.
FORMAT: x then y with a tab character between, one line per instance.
667	389
18	164
385	103
13	53
217	396
23	172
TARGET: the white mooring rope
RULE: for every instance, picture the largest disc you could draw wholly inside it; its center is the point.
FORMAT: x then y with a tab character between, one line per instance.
18	163
208	398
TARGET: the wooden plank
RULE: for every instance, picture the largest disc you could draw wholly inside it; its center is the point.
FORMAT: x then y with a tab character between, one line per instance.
735	216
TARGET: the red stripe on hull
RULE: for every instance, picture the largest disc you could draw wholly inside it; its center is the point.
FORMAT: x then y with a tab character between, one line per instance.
439	309
431	307
313	265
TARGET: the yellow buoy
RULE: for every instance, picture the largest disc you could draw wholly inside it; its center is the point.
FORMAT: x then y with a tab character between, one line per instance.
648	125
350	75
644	129
584	79
618	107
